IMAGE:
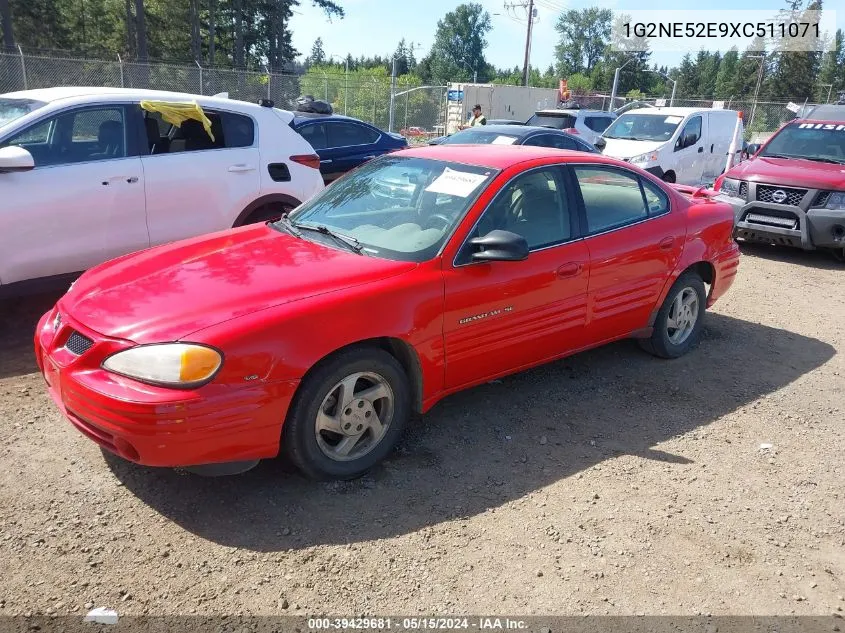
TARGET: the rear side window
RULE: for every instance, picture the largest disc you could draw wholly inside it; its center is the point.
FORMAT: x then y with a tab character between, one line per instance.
597	123
557	141
315	135
657	201
229	130
346	134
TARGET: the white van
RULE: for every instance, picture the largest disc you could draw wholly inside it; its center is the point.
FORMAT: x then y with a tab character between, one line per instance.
684	145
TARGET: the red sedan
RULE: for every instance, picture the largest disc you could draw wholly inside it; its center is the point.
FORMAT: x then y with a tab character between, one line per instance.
422	273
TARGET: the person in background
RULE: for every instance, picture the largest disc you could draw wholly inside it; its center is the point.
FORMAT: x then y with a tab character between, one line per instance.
477	117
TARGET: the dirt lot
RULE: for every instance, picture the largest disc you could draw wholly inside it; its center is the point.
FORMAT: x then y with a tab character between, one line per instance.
610	482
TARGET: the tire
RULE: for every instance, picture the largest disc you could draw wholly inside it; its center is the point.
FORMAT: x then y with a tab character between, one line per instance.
325	418
267	213
669	342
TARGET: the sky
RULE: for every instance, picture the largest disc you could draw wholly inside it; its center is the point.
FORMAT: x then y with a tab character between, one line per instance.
374	27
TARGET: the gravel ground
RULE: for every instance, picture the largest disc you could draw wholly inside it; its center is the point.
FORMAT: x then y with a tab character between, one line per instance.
610	482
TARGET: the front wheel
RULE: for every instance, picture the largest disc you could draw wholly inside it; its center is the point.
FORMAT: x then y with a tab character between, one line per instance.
348	415
678	324
268	213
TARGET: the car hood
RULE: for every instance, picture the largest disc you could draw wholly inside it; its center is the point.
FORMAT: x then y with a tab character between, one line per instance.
790	172
168	292
625	149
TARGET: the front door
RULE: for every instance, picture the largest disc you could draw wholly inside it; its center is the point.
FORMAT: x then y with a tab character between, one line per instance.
690	156
82	204
634	240
501	316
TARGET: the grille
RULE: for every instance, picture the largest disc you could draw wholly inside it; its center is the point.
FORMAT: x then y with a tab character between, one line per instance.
765	193
821	199
743	190
78	344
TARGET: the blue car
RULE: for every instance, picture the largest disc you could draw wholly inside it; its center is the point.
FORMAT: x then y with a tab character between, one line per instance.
343	143
518	135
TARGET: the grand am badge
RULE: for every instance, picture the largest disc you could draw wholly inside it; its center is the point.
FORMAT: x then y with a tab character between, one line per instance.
484	315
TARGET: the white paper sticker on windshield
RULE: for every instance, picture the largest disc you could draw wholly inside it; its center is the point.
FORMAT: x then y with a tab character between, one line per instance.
504	140
673	119
455	183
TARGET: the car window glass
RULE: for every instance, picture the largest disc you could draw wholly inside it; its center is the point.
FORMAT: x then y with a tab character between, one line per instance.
533	206
91	134
597	123
238	130
611	196
692	129
192	136
656	199
315	135
346	134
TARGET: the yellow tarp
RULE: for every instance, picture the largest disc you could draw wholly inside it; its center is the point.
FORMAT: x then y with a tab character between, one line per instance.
177	113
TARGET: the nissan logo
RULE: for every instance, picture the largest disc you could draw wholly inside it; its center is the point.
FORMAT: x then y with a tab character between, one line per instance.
779	196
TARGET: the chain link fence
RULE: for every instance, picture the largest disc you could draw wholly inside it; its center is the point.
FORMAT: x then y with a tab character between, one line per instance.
356	95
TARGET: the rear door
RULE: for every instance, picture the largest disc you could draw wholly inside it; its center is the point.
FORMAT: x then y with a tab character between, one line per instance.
635	241
197	184
84	201
690	158
350	144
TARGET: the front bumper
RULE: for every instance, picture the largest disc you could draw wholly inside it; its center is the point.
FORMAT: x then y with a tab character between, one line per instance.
786	225
156	426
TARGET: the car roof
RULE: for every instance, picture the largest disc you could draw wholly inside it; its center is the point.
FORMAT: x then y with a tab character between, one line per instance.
675	111
302	117
572	111
518	131
63	93
497	156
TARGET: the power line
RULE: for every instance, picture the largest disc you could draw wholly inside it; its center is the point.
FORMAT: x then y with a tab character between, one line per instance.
531	17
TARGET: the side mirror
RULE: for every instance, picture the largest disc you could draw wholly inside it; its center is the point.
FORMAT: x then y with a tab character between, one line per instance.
14	159
752	149
600	144
500	246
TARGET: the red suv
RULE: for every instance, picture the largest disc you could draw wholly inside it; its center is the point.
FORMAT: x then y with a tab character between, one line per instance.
792	191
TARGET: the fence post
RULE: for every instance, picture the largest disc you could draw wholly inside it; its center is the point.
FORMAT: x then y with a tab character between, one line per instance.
374	100
120	63
407	96
201	84
23	68
326	84
269	76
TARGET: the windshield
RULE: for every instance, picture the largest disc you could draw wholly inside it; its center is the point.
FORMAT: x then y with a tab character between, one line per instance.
12	109
814	141
643	127
396	207
560	121
480	136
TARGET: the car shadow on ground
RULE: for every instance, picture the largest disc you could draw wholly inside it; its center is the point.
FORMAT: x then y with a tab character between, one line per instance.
795	256
18	318
484	447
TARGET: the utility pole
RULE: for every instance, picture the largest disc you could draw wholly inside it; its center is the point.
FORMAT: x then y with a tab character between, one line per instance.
762	59
529	5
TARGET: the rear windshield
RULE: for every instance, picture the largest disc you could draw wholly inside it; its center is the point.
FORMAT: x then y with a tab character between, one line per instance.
480	136
558	121
822	142
13	109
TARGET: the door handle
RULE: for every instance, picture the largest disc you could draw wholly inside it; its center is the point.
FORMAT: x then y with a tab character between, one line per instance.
368	157
569	270
711	147
132	180
700	149
240	168
129	179
326	161
666	243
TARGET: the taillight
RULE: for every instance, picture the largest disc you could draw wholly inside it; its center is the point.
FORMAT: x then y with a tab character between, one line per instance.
309	160
571	130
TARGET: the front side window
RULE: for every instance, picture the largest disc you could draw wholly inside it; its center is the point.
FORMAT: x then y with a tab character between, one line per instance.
691	133
348	134
396	207
533	205
91	134
612	197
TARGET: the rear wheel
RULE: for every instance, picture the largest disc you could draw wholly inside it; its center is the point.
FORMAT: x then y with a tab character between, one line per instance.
347	415
679	320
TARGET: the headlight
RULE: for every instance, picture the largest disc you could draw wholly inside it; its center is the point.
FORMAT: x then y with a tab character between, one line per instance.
835	202
648	157
168	364
730	187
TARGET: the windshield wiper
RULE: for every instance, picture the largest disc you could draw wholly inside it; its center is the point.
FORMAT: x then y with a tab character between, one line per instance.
820	159
347	241
285	224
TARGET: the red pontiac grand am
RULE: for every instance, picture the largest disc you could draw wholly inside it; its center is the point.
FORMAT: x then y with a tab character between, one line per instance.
422	273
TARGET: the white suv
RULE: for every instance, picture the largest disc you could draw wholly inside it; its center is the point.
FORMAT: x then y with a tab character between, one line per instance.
586	123
87	175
